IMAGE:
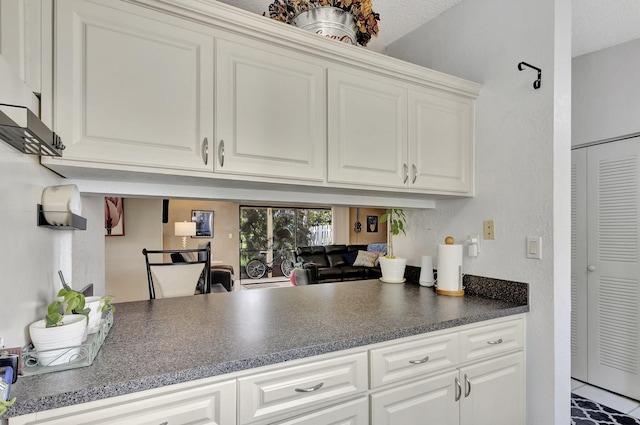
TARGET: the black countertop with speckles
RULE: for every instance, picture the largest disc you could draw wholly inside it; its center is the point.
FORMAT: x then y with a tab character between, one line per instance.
168	341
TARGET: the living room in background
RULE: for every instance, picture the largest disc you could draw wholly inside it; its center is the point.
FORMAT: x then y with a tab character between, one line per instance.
271	235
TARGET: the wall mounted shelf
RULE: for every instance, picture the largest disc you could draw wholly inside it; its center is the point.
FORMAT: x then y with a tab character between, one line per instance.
75	223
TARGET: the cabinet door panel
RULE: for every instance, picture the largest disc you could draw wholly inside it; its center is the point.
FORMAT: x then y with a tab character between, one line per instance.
212	404
427	401
491	340
493	392
351	413
441	141
367	130
298	389
410	359
133	86
270	112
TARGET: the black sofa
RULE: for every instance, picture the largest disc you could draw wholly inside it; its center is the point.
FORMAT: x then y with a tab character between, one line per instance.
319	264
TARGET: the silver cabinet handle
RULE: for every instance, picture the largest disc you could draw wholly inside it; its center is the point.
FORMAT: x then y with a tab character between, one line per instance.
414	169
406	173
500	341
591	268
426	359
458	390
221	153
467	386
310	390
205	154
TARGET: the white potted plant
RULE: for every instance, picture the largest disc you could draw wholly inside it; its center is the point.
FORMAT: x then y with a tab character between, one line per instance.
392	267
53	336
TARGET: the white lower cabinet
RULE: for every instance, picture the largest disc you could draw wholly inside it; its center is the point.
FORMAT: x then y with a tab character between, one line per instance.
182	404
493	391
427	401
471	377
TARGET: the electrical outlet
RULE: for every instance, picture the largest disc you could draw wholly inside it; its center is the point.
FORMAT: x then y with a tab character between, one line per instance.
489	230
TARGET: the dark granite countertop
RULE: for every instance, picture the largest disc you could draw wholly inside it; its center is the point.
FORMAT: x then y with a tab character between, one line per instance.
168	341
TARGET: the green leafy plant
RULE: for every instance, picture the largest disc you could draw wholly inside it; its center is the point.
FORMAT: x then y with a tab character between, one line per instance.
72	302
396	222
108	299
361	10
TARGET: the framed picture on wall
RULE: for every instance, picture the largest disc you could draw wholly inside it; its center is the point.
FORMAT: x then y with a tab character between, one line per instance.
372	223
113	216
204	223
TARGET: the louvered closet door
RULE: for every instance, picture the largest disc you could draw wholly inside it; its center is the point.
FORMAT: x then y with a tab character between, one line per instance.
579	270
614	266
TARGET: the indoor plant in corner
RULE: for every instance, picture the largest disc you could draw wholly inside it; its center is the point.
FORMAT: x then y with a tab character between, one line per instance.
392	268
53	336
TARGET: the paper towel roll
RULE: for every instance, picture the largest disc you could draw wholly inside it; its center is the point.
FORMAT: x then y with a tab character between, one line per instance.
450	267
426	271
58	201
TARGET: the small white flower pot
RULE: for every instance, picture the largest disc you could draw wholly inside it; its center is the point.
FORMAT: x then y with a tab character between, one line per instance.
52	343
392	269
95	315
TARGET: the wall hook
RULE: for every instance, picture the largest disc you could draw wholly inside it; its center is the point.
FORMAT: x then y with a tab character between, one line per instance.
536	83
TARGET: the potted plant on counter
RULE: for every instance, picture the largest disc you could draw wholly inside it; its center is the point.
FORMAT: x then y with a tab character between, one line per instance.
392	268
355	18
60	329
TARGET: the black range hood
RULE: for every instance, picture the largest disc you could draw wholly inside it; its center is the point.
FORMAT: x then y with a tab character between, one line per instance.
23	130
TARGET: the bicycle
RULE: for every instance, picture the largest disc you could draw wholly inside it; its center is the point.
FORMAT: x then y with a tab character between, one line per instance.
257	268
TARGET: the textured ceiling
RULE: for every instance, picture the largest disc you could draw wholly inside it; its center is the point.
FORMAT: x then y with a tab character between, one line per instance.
596	23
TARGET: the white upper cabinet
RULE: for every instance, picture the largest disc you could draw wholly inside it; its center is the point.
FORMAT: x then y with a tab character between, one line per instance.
390	134
200	89
367	130
441	141
271	118
132	86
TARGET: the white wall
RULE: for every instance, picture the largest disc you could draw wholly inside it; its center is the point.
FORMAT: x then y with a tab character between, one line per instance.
125	270
606	94
88	247
30	256
522	168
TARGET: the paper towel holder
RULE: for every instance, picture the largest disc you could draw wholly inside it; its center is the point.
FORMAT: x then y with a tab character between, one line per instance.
75	223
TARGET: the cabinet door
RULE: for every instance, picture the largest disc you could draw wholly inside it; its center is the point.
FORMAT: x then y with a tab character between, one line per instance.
427	401
493	392
271	118
132	86
367	130
441	142
351	413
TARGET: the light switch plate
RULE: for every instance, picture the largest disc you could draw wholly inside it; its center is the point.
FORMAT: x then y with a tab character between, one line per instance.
534	247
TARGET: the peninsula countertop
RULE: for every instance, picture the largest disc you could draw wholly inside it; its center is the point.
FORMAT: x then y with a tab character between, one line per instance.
168	341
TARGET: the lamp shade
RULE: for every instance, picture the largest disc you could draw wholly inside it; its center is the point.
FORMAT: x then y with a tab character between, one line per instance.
185	228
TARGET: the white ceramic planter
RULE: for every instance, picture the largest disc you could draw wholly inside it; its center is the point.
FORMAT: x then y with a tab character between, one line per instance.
392	269
95	315
52	343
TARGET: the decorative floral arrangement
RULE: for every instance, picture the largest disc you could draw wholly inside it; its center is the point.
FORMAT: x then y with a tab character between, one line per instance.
361	10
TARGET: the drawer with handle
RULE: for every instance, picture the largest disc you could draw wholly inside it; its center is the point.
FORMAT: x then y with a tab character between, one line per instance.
413	358
492	339
298	389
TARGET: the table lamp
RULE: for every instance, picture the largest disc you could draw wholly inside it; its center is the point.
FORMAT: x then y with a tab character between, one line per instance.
184	229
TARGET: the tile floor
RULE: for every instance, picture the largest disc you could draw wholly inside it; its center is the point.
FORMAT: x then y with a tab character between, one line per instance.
622	404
